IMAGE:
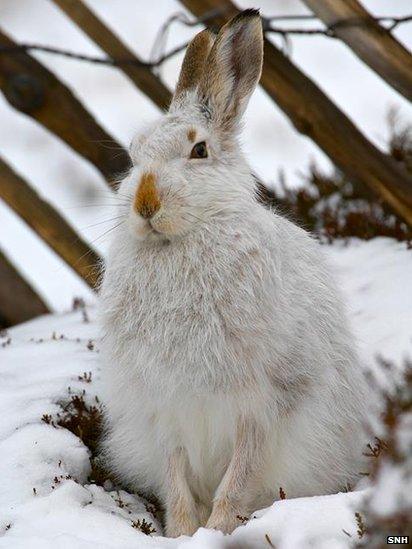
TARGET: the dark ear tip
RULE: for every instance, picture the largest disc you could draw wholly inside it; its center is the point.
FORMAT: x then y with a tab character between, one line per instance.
246	14
250	12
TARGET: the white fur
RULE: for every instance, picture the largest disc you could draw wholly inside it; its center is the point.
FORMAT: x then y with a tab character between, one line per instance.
229	311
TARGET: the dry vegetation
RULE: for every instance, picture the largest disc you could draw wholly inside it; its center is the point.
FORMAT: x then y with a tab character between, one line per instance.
388	510
333	207
85	420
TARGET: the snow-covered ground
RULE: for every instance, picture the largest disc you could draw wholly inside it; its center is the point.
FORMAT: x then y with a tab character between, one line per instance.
46	500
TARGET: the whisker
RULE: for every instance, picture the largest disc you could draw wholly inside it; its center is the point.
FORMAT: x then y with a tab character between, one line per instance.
102	222
98	238
95	206
114	194
108	231
84	255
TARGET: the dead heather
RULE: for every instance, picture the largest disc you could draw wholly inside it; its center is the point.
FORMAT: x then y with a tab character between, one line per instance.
331	206
84	418
143	526
389	510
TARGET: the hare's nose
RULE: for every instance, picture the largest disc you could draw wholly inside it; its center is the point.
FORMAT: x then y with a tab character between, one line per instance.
146	201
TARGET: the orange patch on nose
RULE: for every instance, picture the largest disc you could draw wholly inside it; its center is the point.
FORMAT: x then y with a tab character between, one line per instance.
146	201
191	135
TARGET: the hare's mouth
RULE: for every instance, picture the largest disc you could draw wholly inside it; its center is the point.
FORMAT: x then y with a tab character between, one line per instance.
143	229
160	227
154	233
153	229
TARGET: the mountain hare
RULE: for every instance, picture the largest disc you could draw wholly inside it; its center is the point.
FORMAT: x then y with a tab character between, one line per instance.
229	368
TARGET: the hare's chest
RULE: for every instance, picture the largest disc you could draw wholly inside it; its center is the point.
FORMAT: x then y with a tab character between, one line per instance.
198	322
181	311
196	330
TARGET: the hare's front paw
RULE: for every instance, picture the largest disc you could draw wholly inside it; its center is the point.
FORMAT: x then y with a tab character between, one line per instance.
224	518
183	522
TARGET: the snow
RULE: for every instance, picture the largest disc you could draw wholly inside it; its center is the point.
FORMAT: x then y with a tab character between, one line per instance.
46	500
376	277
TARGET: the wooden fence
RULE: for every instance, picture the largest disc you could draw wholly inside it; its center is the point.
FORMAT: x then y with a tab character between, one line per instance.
35	91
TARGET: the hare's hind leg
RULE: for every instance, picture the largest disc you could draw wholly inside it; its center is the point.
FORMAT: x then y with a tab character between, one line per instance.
232	497
181	512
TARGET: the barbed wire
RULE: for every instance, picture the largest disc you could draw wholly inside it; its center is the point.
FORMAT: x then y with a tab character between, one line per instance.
158	57
118	61
329	31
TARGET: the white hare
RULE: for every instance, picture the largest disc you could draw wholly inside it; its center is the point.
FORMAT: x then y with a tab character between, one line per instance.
229	368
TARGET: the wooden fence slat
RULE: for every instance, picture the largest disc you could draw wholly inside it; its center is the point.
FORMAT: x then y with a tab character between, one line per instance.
18	300
31	88
315	115
107	40
48	224
372	43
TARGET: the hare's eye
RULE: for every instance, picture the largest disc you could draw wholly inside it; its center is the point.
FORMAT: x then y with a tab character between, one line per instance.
199	150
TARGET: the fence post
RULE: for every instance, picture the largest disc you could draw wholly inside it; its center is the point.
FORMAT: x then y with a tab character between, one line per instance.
18	301
107	40
32	89
371	42
49	225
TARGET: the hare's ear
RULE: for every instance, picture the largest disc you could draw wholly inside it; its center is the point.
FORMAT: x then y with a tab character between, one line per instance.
193	66
233	68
